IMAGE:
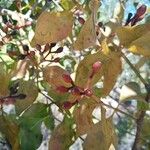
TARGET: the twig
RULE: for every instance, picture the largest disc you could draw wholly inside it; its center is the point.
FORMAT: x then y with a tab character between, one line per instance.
134	69
139	122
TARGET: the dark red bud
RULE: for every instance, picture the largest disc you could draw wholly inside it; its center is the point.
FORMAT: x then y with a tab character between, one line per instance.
62	89
25	47
56	59
141	10
88	92
47	47
32	53
81	20
76	91
59	50
9	101
67	78
67	105
53	45
38	47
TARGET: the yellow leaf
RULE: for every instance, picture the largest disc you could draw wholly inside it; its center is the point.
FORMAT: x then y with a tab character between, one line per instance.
141	46
112	68
30	90
52	27
67	4
4	81
11	131
101	136
129	34
87	36
84	69
54	76
83	116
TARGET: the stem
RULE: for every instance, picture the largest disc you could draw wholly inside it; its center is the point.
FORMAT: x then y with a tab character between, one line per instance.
139	122
109	106
134	69
140	119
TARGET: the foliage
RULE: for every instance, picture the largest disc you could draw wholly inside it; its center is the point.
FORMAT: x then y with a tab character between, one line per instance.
68	55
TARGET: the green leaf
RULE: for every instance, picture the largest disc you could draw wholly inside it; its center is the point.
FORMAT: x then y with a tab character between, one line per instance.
30	124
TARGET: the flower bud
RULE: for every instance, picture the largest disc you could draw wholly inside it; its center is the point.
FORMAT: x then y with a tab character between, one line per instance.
96	66
81	20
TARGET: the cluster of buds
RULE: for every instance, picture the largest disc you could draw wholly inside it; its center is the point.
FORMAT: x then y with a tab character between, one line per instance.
47	50
76	90
139	15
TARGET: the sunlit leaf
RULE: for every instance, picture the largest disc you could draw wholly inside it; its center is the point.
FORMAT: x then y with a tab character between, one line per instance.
141	46
30	90
50	30
129	34
67	4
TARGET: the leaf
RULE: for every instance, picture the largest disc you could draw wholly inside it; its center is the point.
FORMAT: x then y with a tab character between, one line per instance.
101	137
128	34
54	76
84	69
30	124
4	81
11	130
67	4
50	30
130	91
30	90
87	36
141	45
61	138
83	116
112	68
